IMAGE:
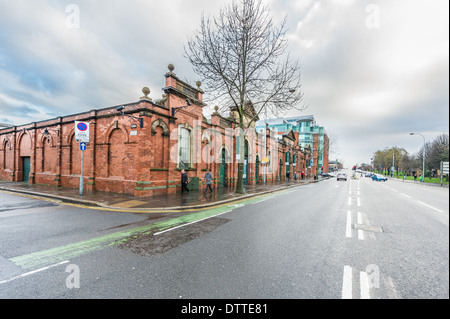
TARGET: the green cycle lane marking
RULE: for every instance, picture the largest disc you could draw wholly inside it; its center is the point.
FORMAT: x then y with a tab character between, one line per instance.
54	255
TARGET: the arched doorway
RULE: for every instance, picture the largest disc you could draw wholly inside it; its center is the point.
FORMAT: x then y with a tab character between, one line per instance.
223	169
25	155
288	163
257	169
280	169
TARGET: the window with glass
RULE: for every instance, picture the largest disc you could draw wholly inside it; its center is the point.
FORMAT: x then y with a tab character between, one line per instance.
184	152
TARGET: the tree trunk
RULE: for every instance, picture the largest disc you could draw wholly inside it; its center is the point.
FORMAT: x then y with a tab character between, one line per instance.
240	181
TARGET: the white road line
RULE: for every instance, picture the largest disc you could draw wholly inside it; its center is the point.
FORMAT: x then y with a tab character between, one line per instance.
33	272
358	201
360	232
161	232
263	200
347	283
349	201
438	210
364	285
348	227
406	195
359	218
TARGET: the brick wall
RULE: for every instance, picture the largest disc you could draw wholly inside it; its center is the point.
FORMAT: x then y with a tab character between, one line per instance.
125	158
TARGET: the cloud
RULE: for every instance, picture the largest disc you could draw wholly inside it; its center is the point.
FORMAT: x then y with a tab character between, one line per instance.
375	83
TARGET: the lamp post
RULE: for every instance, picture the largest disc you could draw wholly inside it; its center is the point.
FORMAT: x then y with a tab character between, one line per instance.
423	155
46	131
139	119
176	109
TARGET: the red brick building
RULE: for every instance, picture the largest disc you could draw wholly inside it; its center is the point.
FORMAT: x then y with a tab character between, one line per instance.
124	157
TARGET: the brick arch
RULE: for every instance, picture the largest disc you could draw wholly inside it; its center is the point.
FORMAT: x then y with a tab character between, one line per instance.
228	154
74	156
113	127
7	159
116	153
70	135
44	138
206	136
25	147
48	154
163	125
6	140
159	146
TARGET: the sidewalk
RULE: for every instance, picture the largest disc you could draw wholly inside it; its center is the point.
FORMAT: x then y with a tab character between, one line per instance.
414	182
166	202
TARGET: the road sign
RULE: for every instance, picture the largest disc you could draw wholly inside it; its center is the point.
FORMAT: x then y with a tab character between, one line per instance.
82	146
445	167
82	131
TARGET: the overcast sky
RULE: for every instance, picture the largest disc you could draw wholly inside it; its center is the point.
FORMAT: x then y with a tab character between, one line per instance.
372	71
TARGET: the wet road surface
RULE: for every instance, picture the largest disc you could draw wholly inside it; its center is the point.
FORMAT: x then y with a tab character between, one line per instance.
354	239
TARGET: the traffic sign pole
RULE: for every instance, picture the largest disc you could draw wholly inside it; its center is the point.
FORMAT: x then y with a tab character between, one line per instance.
82	134
82	149
81	174
444	170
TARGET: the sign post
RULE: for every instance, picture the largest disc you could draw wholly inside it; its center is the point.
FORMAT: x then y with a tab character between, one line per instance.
82	149
82	135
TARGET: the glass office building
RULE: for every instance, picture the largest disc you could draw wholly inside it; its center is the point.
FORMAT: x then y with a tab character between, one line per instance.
306	127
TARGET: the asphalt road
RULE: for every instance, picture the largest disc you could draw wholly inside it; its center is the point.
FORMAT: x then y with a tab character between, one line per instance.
328	240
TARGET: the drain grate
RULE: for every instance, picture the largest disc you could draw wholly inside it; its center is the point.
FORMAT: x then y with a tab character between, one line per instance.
376	229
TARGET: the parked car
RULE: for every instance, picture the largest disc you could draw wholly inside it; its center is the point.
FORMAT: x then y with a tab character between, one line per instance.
327	175
368	174
341	176
378	178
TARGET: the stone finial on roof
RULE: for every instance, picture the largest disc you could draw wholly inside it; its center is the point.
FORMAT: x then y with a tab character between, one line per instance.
146	92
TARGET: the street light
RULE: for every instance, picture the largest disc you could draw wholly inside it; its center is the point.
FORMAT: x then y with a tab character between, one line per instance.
423	156
176	109
139	119
46	131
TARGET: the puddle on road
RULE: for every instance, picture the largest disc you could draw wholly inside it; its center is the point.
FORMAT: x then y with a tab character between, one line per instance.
149	245
26	205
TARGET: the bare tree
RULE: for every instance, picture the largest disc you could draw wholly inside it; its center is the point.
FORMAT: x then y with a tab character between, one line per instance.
241	58
437	152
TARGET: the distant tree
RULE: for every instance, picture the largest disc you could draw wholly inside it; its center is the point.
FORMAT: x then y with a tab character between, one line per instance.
388	157
437	152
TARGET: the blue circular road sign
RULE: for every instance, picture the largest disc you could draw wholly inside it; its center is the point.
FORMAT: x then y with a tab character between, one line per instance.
82	127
